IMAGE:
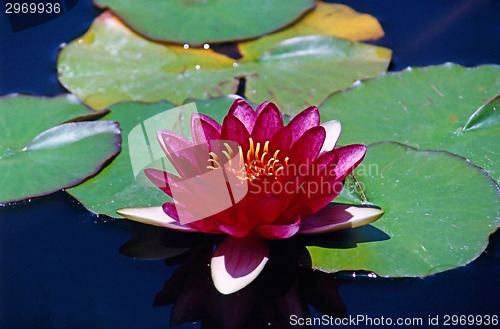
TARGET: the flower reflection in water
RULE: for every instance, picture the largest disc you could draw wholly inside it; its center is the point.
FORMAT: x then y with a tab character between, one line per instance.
286	288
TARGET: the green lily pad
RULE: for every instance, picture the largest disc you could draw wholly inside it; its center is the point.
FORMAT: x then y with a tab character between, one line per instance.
37	158
197	22
303	71
110	64
116	186
439	211
444	107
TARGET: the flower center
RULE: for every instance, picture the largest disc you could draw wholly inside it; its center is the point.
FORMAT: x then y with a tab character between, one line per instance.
254	164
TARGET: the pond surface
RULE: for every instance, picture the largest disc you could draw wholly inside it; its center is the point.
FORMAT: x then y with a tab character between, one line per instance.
60	266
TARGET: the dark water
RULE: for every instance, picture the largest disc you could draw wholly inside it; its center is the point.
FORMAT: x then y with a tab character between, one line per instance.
60	266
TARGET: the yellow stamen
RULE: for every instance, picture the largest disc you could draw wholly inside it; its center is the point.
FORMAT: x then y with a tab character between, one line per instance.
229	149
257	151
254	166
227	155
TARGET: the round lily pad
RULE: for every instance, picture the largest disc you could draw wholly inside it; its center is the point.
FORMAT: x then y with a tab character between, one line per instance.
444	107
439	210
197	22
40	153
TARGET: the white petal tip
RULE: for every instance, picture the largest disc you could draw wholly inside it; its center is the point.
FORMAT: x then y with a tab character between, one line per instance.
227	284
339	217
153	216
333	129
364	215
237	262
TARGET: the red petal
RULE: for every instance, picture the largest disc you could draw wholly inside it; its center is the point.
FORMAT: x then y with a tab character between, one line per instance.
182	153
160	179
236	262
262	106
304	121
266	209
204	129
337	217
350	157
281	141
306	149
153	216
244	113
236	230
268	123
234	130
178	211
278	232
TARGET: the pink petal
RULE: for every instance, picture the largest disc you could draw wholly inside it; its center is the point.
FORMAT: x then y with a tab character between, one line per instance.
160	179
234	130
262	106
333	129
236	262
268	123
329	191
244	113
182	153
266	209
306	149
339	217
171	143
350	157
153	216
304	121
236	230
278	232
324	165
178	211
282	141
204	129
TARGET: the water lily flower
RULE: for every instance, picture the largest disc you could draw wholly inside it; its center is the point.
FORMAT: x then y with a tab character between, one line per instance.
254	179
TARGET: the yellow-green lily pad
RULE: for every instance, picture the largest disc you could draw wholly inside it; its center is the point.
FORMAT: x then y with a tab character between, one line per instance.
331	19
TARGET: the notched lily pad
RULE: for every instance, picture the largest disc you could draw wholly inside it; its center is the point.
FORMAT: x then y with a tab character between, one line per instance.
444	107
197	22
37	158
303	71
439	212
110	64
